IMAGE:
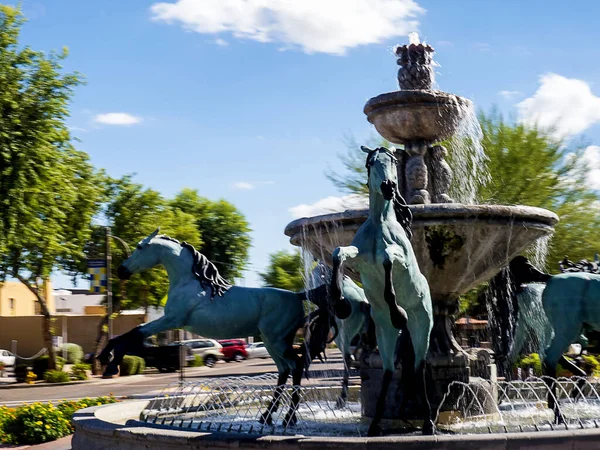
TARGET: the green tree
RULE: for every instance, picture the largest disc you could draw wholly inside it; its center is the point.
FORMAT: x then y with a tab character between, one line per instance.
49	191
284	271
224	231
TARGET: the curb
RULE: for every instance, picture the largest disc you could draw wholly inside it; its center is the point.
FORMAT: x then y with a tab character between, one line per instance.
69	383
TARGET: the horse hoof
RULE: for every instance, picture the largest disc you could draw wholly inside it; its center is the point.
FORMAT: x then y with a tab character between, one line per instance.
428	428
375	430
343	309
110	372
265	419
340	403
290	420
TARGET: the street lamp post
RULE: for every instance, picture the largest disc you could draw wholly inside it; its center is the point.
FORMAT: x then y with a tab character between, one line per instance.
108	284
109	304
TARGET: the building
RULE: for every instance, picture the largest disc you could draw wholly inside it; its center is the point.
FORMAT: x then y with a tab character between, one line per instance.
17	300
78	301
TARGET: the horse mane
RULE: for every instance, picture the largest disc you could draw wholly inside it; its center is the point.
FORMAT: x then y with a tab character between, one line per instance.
404	215
206	272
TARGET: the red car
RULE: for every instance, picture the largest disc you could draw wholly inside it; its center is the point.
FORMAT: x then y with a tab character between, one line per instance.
234	349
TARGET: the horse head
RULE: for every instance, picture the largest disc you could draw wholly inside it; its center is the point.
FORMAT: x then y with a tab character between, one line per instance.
523	272
383	180
141	259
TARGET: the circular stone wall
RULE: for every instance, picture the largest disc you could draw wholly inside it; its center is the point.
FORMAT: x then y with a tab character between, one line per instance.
116	426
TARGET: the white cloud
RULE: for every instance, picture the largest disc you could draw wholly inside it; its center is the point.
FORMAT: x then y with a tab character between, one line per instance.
591	158
444	44
565	105
510	95
117	118
221	42
330	205
483	46
250	185
316	26
242	185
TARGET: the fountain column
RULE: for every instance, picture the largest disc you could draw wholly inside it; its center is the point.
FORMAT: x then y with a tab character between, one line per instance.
425	178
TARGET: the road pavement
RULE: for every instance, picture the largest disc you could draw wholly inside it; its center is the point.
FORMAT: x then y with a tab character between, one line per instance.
140	384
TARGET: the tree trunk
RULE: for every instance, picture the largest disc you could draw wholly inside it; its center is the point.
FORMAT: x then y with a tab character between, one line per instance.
47	334
101	339
32	284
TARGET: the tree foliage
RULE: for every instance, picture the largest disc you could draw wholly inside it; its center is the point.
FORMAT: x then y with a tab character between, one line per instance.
49	191
284	271
224	231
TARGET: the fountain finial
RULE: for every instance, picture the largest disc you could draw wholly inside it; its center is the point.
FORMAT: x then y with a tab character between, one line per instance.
415	61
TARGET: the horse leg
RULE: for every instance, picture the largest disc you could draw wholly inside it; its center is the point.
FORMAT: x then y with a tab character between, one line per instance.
419	327
267	416
341	305
387	336
290	417
397	313
577	372
341	400
133	341
566	329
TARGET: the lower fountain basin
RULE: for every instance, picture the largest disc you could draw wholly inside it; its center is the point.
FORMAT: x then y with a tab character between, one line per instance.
457	246
403	116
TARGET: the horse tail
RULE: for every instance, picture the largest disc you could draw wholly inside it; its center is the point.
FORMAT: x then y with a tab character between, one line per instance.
318	325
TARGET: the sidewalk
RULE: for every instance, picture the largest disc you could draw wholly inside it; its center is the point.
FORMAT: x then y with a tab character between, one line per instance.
95	379
60	444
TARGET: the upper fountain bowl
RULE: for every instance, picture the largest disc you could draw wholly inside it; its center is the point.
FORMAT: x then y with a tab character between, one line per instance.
425	115
457	246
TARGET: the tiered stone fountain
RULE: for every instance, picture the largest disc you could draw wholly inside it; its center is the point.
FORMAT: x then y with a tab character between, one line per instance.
457	245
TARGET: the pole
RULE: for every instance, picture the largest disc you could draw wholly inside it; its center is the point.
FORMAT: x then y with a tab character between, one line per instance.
109	304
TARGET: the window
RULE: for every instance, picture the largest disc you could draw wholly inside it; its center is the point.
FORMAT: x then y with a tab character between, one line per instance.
11	306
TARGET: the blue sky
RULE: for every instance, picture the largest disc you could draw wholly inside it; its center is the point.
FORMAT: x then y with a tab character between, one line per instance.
206	95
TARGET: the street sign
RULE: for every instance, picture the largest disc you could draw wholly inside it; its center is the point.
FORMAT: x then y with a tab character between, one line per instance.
97	272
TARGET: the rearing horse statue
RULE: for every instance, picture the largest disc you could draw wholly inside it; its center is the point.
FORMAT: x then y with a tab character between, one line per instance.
393	283
201	301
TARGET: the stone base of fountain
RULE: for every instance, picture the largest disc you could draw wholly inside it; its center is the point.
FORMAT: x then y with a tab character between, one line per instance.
443	370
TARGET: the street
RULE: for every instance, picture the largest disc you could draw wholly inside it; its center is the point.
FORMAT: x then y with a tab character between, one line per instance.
152	381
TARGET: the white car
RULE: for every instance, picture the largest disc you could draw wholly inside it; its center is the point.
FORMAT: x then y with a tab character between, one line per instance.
208	349
257	350
7	358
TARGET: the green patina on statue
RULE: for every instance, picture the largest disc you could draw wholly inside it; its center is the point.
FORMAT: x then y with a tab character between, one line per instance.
556	312
393	283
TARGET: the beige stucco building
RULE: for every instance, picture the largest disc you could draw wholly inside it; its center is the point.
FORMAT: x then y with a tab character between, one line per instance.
17	300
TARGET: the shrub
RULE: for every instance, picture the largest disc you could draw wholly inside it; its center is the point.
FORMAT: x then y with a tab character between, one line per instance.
38	423
141	365
591	365
129	365
56	376
40	365
196	362
35	424
79	371
530	361
68	408
74	353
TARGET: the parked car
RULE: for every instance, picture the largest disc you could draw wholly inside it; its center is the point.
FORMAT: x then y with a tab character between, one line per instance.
7	358
257	350
164	358
234	349
209	349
